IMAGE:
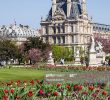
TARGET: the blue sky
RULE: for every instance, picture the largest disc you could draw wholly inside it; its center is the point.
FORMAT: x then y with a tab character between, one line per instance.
29	12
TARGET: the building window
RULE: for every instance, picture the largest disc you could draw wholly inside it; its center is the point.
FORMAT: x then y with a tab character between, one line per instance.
46	39
71	28
72	39
59	41
54	30
58	29
46	30
63	38
54	39
63	28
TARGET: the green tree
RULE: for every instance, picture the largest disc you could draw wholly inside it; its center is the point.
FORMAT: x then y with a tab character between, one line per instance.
61	52
35	43
7	50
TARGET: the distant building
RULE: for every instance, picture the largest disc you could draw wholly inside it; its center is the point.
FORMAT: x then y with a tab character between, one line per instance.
18	33
68	25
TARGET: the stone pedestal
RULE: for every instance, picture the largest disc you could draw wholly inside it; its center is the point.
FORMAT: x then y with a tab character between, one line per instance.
100	58
77	61
50	61
92	59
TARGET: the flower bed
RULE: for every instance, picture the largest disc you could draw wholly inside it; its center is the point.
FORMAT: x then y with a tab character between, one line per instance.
74	68
35	90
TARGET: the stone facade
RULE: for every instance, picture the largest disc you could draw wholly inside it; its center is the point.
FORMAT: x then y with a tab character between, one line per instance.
68	24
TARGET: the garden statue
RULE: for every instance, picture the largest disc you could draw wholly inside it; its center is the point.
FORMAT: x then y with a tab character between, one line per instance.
50	55
99	47
77	53
50	59
100	53
92	53
92	47
77	58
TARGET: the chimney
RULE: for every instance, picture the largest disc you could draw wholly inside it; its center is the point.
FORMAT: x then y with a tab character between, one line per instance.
68	7
83	3
53	7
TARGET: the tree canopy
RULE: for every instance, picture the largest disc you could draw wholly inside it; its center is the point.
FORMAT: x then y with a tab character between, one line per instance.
61	52
7	50
35	49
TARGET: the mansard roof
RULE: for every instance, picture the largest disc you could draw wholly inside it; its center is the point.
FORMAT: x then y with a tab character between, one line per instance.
62	6
15	31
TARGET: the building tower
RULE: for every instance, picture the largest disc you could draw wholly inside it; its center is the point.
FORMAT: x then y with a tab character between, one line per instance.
67	24
84	9
68	8
53	7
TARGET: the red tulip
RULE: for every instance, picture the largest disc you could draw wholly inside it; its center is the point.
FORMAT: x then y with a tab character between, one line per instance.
41	92
32	82
104	93
30	93
55	94
58	85
68	86
37	81
25	81
8	84
91	88
75	87
5	97
17	97
18	81
97	91
12	91
99	85
6	91
80	87
94	94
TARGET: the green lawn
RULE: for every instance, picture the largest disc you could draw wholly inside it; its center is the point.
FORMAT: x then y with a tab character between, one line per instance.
20	73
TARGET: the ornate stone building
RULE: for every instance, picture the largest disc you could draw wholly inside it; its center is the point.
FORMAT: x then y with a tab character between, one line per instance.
18	33
68	24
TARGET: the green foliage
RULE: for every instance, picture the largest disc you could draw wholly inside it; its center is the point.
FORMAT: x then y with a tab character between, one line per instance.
38	90
35	42
107	57
7	50
61	52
